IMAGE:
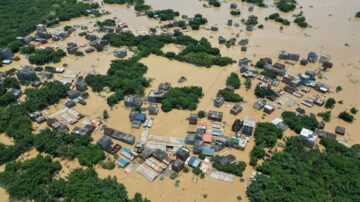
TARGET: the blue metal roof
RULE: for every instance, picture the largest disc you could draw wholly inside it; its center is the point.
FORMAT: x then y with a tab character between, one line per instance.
208	151
140	117
122	162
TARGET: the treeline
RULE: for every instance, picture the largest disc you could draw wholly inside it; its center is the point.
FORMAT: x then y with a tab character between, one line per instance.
199	53
20	17
185	98
266	136
296	173
14	120
69	146
34	179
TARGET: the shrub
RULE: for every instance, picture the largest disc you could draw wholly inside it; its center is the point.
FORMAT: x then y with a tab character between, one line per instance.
353	110
196	171
330	103
326	116
201	114
346	116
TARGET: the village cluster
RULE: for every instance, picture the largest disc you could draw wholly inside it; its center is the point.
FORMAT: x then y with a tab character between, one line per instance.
155	155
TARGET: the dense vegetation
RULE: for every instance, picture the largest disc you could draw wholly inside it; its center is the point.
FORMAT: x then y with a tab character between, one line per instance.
68	146
266	135
34	179
297	122
106	23
233	168
297	173
124	77
182	98
261	92
19	17
233	80
14	120
43	56
6	97
276	17
346	116
199	53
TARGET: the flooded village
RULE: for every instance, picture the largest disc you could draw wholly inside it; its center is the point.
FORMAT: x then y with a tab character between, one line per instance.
177	154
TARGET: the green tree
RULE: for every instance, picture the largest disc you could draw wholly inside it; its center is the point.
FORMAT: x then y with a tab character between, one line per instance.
233	80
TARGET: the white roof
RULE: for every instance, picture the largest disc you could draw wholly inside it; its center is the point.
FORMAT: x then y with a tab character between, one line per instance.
269	107
306	133
277	121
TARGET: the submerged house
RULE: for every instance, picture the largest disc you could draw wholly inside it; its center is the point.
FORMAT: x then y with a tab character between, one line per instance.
177	165
236	109
132	101
153	109
6	53
104	142
215	116
182	154
219	101
312	57
237	125
193	119
309	137
26	73
156	96
248	127
126	138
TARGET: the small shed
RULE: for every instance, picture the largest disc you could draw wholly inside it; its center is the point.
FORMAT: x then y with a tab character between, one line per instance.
236	109
340	130
193	119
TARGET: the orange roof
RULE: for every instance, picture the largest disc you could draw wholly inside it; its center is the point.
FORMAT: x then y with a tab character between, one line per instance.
207	138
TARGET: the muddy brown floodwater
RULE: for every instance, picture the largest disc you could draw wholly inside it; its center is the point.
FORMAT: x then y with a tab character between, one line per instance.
332	26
